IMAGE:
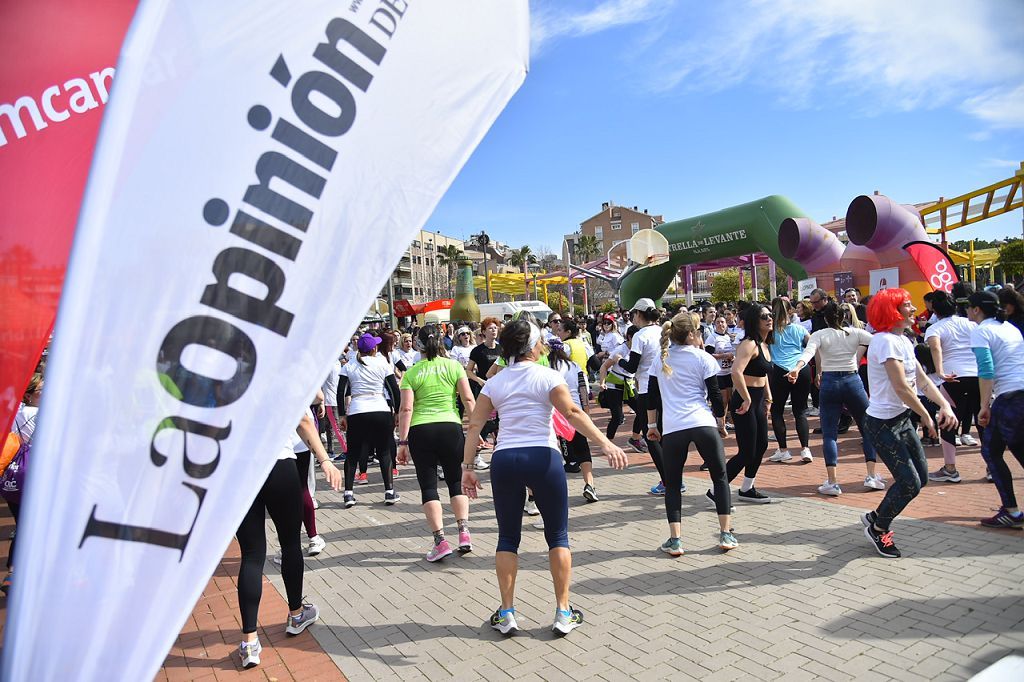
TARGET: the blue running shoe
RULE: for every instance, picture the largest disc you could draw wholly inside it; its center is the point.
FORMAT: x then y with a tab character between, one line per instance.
658	489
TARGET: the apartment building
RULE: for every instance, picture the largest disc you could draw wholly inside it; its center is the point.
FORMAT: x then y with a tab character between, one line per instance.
613	224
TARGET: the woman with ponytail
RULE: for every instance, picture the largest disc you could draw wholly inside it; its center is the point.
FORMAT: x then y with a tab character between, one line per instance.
681	385
430	433
577	450
526	454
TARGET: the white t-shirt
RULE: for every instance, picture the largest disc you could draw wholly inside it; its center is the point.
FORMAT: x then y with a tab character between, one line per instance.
522	396
571	374
1005	343
884	403
684	401
330	387
610	341
622	352
367	382
408	358
836	348
25	422
954	334
722	343
460	353
298	445
646	342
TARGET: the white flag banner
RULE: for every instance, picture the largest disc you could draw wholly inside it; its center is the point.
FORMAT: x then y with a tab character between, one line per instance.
261	168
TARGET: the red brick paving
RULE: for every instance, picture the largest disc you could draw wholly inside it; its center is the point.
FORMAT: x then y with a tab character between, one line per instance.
206	647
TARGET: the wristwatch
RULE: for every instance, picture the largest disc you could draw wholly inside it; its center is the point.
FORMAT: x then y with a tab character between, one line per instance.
403	442
471	466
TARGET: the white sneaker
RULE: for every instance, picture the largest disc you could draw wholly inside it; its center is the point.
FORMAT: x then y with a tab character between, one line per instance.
276	559
771	436
531	508
875	482
780	456
480	464
831	489
968	439
316	545
812	412
806	456
316	505
959	441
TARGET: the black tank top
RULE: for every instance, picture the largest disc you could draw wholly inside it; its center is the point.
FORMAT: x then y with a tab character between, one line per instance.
758	365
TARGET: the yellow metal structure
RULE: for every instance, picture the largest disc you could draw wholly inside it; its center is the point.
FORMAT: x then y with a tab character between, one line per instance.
967	209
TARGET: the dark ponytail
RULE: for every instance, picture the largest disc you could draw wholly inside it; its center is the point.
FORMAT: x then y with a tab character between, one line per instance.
430	342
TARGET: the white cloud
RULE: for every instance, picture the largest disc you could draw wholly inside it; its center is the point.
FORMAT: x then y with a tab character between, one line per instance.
875	55
1000	108
553	20
1001	163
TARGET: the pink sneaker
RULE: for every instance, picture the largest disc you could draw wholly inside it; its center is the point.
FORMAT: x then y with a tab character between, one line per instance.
465	542
439	551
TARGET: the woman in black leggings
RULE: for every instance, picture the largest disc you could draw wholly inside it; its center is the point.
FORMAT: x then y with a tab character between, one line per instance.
281	497
751	399
430	433
681	385
620	388
368	419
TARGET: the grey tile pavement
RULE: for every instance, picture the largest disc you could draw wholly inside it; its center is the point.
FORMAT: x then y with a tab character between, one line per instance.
803	597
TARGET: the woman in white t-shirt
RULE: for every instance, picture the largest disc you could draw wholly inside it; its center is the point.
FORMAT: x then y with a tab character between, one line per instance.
462	346
280	497
894	376
25	426
526	454
949	339
644	351
405	356
368	420
681	386
838	350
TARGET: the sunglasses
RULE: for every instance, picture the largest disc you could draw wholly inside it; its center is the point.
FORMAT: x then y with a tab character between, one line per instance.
766	316
555	320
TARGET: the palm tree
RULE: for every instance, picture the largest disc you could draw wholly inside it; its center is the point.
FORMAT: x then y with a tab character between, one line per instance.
449	256
523	258
587	247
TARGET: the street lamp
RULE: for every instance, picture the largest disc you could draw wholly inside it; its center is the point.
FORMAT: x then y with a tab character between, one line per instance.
483	241
568	268
535	268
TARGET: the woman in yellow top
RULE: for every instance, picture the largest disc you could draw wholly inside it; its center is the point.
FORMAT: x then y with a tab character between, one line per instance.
430	432
569	332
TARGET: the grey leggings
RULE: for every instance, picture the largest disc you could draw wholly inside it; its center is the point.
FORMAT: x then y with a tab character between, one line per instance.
896	443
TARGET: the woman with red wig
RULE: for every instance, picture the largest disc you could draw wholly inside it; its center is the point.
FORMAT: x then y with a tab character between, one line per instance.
894	376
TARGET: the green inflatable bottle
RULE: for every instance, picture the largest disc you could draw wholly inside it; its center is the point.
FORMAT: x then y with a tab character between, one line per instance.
465	308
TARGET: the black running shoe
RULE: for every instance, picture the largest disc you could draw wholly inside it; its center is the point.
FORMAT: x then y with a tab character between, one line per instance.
754	495
882	540
572	467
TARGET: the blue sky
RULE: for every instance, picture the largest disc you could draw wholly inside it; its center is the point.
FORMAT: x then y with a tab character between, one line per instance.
688	107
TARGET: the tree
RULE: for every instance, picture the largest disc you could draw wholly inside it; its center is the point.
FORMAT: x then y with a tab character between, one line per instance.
608	307
523	258
725	286
558	302
1011	258
587	247
449	256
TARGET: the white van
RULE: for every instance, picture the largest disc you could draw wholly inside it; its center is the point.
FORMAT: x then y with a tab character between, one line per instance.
500	310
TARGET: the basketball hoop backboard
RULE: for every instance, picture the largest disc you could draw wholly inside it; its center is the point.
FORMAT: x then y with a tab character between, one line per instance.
647	248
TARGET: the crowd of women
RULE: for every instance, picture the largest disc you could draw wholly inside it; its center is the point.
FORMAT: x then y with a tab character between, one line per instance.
401	399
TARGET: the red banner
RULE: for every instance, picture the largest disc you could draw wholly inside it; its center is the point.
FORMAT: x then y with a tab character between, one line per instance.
59	58
935	264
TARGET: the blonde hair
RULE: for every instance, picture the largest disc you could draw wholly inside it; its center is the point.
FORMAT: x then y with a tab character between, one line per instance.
676	331
851	313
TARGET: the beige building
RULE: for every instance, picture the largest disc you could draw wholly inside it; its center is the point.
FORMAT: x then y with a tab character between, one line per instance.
419	277
614	224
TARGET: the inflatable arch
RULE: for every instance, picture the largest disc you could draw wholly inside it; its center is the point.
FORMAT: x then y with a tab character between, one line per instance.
879	230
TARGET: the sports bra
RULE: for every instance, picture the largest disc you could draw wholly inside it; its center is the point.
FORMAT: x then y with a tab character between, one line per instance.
758	365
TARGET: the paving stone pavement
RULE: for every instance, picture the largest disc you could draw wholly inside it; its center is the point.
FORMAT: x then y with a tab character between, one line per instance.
803	597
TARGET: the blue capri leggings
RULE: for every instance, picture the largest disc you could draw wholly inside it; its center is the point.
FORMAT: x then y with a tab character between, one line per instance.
540	469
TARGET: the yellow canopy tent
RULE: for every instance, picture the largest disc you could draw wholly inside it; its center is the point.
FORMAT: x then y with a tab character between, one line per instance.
518	284
975	259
